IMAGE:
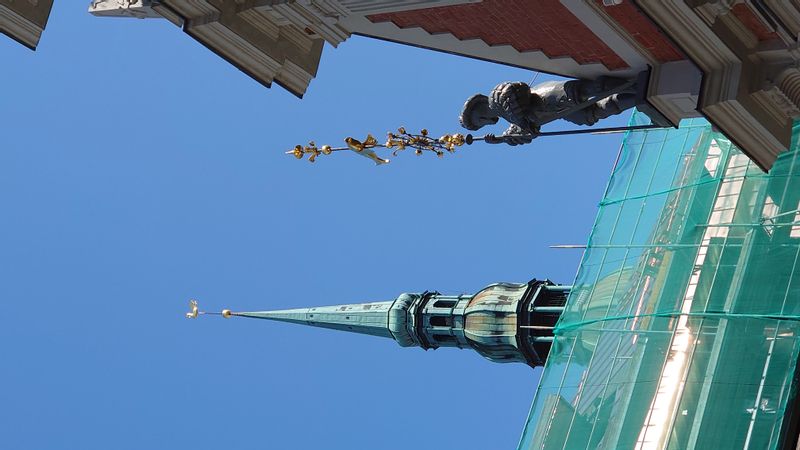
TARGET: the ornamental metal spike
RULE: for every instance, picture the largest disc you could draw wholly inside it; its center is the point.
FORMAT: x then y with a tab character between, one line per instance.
423	142
194	311
397	142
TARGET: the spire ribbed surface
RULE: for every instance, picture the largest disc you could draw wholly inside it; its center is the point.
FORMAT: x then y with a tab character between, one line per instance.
363	318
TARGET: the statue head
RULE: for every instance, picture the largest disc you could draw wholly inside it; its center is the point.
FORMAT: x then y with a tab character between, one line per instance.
476	113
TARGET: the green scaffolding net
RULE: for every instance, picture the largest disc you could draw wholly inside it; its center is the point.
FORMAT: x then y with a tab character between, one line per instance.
681	330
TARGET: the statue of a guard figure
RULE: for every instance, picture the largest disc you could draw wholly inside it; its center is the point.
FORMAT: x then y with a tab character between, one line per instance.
526	108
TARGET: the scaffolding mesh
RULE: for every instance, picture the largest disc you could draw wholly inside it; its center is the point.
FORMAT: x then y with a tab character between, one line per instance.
681	330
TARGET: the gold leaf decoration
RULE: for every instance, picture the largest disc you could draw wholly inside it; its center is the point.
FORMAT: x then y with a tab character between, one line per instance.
399	141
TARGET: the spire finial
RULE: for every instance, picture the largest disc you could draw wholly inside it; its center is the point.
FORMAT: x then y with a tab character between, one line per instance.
194	311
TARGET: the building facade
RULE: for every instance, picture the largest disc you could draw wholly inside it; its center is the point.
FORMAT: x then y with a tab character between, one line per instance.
733	62
681	330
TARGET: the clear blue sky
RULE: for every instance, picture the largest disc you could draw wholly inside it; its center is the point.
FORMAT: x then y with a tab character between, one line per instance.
138	170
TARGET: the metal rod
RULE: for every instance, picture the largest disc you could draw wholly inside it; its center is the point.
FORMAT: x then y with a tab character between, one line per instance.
424	143
749	225
787	213
558	288
548	309
578	131
601	130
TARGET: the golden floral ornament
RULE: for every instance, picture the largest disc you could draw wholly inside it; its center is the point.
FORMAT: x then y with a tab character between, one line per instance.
395	141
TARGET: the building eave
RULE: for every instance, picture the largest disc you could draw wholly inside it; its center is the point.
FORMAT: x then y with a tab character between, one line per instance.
24	22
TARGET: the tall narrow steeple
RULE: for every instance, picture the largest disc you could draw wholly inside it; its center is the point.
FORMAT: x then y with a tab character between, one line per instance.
504	322
363	318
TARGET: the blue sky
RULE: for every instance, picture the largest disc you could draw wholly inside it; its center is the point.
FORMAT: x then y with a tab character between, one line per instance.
138	170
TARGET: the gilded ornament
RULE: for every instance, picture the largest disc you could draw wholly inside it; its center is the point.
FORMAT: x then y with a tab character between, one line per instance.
193	310
354	144
419	142
365	148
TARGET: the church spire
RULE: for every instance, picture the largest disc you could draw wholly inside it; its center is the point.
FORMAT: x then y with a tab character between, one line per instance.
364	318
504	322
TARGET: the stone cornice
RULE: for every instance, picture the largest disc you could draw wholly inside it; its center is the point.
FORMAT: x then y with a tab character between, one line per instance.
24	20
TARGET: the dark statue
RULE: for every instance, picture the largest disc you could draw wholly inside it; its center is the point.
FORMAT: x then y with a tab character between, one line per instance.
526	108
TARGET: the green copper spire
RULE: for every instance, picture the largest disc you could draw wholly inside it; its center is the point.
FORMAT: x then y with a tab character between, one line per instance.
504	322
364	318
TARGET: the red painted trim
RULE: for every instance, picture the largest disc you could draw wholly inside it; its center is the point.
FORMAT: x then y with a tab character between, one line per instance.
750	20
639	27
532	25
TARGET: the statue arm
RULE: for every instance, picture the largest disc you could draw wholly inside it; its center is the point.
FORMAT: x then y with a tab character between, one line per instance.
514	135
513	101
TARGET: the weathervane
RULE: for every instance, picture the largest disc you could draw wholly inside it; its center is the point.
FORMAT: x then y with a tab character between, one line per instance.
194	311
525	108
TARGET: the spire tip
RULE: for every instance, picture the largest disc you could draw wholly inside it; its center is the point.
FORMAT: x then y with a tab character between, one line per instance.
193	310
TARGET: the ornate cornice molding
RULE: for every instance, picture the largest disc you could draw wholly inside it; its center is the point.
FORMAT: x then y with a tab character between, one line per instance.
24	20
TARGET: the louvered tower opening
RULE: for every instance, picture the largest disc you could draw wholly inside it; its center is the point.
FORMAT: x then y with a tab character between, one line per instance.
538	316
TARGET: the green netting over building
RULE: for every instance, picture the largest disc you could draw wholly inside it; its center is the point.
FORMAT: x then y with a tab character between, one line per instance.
681	330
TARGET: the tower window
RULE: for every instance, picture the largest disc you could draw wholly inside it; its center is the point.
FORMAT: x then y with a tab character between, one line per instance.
444	304
444	338
440	321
